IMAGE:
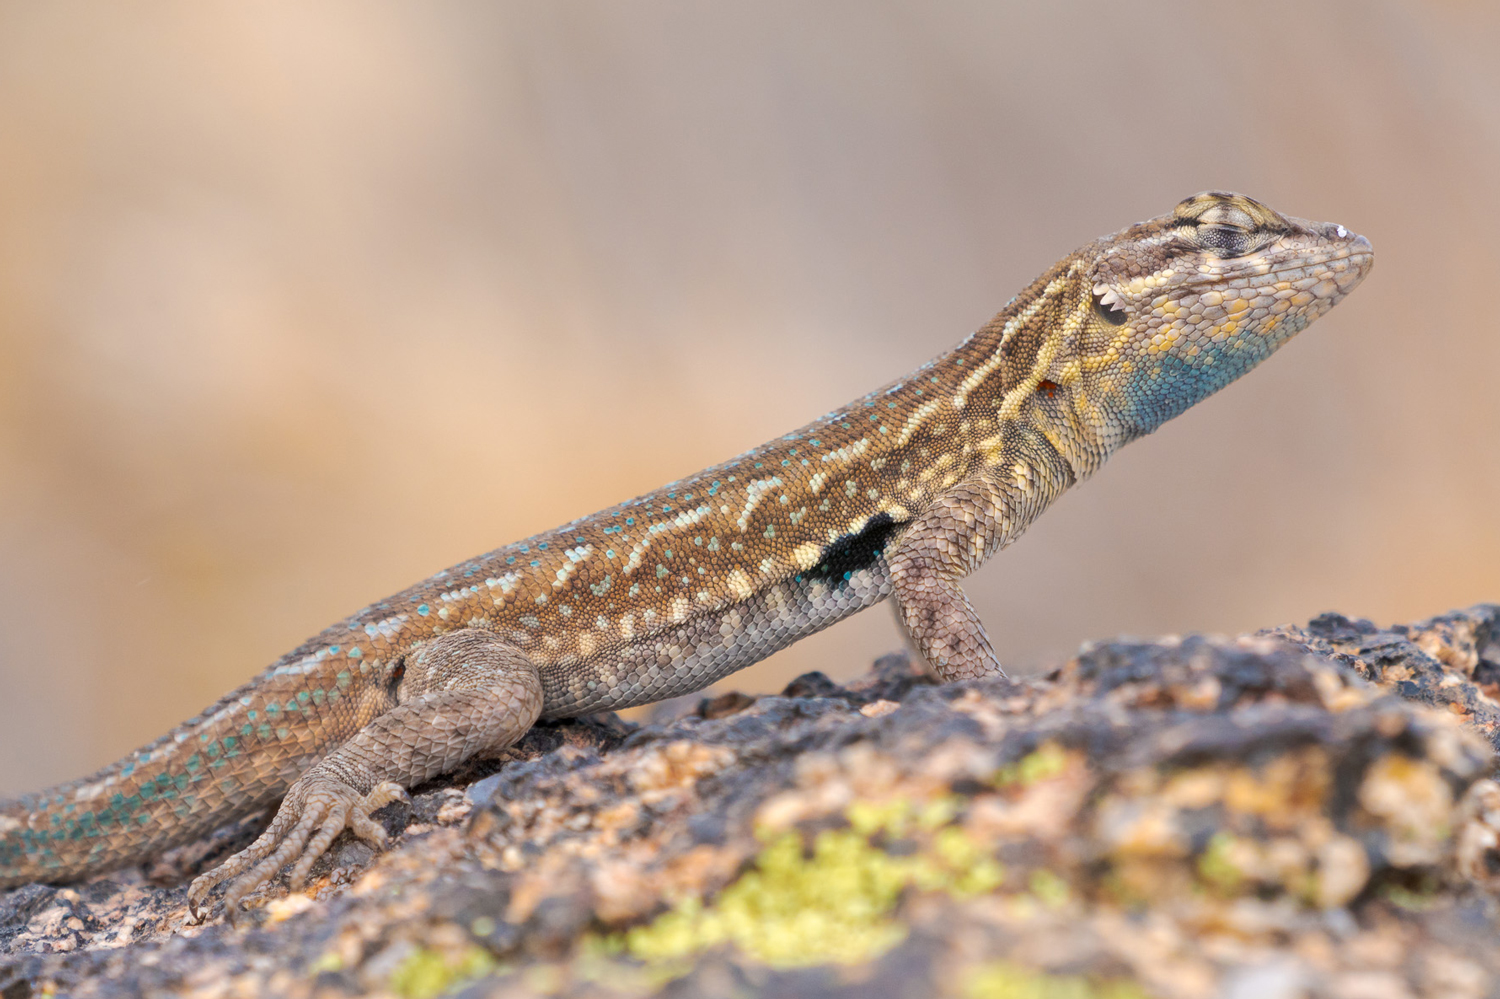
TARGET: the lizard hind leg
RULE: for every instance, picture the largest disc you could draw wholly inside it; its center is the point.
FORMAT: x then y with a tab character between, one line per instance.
462	693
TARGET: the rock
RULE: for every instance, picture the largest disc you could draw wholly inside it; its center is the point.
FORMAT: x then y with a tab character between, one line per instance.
1302	812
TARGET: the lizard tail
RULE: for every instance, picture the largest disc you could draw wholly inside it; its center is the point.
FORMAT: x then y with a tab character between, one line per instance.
161	795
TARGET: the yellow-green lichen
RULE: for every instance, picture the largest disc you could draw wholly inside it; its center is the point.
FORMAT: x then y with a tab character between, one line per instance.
834	906
1420	898
1003	980
1049	889
429	973
1049	760
1216	866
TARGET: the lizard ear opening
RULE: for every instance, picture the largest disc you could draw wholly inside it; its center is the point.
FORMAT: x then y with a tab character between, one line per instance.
1108	306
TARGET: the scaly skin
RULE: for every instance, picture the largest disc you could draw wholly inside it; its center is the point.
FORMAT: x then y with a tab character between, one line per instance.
901	493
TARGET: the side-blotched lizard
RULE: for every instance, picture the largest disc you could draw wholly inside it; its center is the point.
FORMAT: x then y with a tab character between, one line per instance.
901	493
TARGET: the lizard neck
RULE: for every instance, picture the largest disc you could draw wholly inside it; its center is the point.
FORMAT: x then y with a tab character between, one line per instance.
1015	390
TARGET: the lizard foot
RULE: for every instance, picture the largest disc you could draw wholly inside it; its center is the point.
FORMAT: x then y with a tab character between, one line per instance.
316	809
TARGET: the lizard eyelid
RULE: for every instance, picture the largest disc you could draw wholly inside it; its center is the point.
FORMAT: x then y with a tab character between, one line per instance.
1108	305
1224	240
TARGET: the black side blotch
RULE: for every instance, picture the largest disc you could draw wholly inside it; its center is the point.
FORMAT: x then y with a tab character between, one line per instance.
853	552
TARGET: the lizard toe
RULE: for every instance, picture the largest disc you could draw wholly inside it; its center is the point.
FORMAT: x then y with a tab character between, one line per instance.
367	828
314	812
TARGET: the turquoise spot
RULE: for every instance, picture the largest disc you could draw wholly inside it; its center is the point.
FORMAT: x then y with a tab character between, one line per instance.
354	652
250	714
535	563
422	609
542	546
245	732
332	649
786	461
333	695
281	733
510	560
272	710
265	730
343	679
303	696
318	696
609	553
629	520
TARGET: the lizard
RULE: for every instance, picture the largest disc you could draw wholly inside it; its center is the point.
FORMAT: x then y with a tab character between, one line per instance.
899	494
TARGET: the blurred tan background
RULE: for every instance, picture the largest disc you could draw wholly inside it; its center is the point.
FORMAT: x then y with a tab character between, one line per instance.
302	302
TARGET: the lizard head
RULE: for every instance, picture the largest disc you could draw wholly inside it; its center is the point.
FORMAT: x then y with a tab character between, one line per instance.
1169	311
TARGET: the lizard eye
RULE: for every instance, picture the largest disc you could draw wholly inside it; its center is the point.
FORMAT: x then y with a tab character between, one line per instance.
1108	306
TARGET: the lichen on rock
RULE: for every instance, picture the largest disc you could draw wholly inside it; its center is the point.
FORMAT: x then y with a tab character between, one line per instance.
1300	812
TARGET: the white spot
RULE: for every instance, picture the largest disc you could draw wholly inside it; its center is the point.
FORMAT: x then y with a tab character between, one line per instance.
754	493
740	585
506	582
849	451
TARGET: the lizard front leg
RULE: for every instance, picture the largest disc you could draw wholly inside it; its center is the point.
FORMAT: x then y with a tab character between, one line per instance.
949	540
461	694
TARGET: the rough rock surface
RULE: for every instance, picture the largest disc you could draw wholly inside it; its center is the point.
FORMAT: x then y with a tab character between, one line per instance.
1306	812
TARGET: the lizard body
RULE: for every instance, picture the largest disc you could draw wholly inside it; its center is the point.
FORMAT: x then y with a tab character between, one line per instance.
902	493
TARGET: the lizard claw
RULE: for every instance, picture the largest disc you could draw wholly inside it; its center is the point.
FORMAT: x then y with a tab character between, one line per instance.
316	809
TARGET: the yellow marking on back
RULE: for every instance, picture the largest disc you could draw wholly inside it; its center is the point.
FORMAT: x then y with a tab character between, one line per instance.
979	374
